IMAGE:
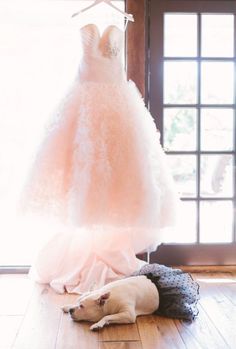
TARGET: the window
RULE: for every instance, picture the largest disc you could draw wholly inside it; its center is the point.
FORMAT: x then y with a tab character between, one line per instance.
192	90
39	57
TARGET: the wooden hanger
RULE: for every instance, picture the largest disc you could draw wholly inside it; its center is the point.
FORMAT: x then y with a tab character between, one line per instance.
128	16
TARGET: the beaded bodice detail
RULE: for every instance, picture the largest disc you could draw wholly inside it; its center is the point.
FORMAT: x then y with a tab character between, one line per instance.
102	54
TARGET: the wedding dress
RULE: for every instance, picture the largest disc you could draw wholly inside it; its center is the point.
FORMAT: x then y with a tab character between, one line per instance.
101	172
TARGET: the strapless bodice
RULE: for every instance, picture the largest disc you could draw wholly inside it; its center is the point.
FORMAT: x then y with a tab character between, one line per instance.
102	54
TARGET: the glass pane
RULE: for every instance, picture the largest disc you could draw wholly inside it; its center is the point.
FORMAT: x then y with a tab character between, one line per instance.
217	83
180	128
216	221
217	127
217	35
180	82
180	35
217	175
183	169
186	227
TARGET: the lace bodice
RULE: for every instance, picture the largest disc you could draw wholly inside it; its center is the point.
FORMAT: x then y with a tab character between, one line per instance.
102	54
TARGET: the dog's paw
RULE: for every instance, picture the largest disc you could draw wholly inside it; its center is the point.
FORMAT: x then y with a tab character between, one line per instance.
97	326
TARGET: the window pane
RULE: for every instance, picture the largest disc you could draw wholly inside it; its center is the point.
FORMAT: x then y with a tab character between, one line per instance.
180	35
217	82
180	128
185	232
216	221
180	82
217	127
217	35
217	175
183	168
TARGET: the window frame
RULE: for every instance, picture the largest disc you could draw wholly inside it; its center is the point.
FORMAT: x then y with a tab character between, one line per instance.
195	253
137	45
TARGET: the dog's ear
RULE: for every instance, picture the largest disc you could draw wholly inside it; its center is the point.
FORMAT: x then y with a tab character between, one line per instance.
103	298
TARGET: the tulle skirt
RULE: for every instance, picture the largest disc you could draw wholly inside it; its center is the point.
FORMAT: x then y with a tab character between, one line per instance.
178	292
101	172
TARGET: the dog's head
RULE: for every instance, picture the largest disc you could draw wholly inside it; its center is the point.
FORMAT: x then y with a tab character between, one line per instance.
90	308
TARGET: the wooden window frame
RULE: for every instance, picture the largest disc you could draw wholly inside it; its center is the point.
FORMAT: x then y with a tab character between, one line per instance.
137	45
181	254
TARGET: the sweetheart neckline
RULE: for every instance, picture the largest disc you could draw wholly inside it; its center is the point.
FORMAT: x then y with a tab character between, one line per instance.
104	31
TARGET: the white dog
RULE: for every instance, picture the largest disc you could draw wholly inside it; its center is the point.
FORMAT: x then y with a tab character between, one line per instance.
117	302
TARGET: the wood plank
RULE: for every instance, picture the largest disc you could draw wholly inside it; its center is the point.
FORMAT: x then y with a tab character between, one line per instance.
201	333
41	322
72	334
126	332
120	345
212	284
228	288
217	306
11	286
9	326
159	332
76	335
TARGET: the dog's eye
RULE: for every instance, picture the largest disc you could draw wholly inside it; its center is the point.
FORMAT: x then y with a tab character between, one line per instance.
81	306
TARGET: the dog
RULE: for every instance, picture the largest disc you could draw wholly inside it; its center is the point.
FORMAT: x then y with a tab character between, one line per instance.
118	302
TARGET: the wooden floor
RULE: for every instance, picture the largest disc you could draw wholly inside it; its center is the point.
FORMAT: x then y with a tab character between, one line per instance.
30	318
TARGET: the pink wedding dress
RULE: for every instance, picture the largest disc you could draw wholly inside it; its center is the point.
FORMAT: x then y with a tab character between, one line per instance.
101	172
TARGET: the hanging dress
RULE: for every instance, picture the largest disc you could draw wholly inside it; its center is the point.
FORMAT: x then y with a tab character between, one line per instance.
102	172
